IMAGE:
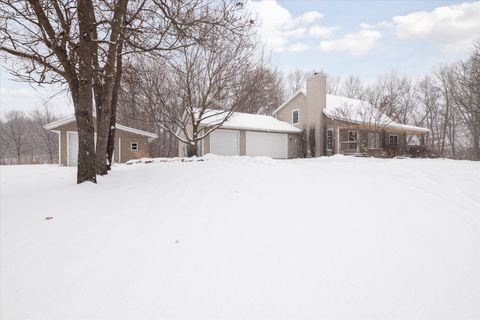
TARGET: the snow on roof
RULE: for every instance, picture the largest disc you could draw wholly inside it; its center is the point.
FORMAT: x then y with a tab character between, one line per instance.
357	111
61	122
247	121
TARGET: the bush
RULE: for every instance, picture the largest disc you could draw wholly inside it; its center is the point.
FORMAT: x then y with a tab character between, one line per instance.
420	152
392	150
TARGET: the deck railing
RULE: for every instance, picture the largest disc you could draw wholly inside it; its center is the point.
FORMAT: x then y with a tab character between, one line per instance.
348	147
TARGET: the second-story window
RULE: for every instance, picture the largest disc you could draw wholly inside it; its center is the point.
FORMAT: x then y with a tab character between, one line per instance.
295	116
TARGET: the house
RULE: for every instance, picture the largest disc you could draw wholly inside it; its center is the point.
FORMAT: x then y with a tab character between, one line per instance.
335	125
130	143
340	125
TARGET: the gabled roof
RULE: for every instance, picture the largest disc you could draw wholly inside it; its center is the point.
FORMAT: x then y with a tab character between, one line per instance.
247	121
56	124
301	91
356	111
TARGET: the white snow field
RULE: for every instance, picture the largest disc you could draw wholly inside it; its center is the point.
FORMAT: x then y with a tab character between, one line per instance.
243	238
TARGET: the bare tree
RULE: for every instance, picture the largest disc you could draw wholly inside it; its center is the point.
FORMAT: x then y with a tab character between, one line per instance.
428	97
444	78
466	94
295	81
267	94
395	95
45	139
204	84
53	45
334	85
15	135
352	87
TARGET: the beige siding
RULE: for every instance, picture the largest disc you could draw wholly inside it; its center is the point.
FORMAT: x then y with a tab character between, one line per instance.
206	145
300	103
125	146
294	145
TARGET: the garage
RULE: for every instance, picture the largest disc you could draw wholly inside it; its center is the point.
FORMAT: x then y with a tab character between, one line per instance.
225	142
274	145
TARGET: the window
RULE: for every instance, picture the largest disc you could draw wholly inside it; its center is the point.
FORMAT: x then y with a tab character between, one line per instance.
393	139
295	116
352	136
373	140
329	139
134	146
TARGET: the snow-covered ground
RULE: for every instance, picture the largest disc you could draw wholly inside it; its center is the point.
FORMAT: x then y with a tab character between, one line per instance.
243	238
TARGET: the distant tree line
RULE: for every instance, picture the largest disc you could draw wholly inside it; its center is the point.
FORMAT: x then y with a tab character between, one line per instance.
23	140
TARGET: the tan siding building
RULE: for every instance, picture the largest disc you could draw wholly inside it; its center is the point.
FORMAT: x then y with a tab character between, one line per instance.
130	143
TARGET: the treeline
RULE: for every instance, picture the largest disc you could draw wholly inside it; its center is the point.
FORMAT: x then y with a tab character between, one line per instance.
23	140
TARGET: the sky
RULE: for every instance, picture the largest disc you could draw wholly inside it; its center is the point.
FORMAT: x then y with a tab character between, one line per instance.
363	38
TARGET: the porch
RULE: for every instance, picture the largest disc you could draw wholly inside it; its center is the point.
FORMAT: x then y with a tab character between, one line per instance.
378	143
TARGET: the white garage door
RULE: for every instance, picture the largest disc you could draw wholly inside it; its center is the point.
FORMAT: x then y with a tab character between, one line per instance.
72	148
225	142
274	145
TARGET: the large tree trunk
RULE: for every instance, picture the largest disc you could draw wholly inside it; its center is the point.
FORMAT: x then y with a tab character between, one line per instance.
113	115
111	132
86	142
103	123
104	116
82	98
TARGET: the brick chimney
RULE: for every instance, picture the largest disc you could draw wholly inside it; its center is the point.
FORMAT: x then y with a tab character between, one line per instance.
316	102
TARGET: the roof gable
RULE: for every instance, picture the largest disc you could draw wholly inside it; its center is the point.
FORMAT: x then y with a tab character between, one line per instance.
56	124
301	91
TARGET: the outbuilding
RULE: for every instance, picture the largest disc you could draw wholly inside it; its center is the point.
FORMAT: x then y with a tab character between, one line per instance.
130	143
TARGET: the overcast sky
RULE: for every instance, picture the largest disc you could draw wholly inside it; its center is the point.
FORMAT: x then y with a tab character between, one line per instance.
363	38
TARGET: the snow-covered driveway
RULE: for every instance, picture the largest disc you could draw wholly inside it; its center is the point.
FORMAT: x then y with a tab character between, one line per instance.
243	238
